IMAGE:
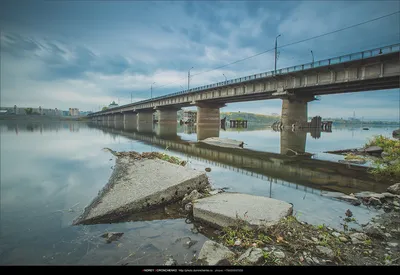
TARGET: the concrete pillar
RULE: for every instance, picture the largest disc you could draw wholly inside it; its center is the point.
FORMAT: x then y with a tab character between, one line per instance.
130	121
145	122
294	111
208	120
166	131
207	131
168	116
119	121
208	114
294	140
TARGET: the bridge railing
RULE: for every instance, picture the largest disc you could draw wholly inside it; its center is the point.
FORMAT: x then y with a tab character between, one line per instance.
331	61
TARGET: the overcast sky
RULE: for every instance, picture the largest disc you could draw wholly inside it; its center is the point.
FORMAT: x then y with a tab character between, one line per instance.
85	54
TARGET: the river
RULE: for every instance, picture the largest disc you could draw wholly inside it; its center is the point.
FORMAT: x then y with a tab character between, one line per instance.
51	171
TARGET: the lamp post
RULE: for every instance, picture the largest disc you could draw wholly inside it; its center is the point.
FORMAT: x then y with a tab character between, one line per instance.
276	50
151	90
189	77
226	80
312	54
131	97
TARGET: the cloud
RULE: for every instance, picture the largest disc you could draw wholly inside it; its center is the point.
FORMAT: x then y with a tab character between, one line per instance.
83	54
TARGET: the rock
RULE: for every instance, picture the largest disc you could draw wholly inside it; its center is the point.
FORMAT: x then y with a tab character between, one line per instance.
374	150
336	234
384	154
375	201
357	238
340	196
343	239
189	207
112	236
395	189
393	244
170	262
314	239
326	251
315	260
390	195
224	262
396	133
211	253
223	142
194	195
222	210
139	185
238	242
216	191
252	255
279	254
208	169
190	243
368	195
396	203
373	230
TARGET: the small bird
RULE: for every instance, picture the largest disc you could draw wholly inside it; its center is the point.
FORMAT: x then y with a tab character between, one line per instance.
349	213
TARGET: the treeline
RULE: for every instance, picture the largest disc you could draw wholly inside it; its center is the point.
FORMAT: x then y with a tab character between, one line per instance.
359	122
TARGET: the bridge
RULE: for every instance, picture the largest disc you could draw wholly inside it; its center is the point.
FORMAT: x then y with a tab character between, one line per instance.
305	170
374	69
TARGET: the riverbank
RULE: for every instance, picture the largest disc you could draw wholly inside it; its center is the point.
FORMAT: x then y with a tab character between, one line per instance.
38	118
293	242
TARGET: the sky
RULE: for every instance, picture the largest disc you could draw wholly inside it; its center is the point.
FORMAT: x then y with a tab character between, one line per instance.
85	54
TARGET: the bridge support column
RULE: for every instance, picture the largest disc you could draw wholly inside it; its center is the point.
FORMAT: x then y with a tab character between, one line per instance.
130	121
167	122
145	121
293	140
168	116
294	112
119	121
208	120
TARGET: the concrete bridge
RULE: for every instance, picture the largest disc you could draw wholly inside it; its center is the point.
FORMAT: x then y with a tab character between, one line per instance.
374	69
305	170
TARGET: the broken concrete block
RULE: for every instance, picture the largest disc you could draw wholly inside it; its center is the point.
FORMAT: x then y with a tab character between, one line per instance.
224	209
140	185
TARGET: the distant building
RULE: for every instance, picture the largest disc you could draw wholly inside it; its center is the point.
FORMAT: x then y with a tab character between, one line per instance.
112	105
190	116
73	111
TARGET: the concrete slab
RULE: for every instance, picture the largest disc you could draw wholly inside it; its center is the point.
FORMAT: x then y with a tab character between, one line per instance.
140	185
223	209
223	142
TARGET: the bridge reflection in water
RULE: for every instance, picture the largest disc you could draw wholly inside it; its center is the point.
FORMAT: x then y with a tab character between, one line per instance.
288	166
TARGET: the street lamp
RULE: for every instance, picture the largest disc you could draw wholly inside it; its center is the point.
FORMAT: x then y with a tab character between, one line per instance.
312	54
131	97
151	90
226	80
189	77
276	50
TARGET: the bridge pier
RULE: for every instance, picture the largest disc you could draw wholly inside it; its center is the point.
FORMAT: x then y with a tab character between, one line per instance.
168	115
293	140
145	121
294	112
208	120
130	121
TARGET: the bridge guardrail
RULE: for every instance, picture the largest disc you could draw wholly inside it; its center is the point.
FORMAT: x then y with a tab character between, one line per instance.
330	61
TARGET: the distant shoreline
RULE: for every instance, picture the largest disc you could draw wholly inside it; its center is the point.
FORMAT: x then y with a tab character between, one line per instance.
40	118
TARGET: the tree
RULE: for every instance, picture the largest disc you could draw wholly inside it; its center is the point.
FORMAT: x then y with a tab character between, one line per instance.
28	111
104	108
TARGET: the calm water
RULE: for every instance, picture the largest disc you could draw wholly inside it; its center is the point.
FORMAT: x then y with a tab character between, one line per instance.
50	172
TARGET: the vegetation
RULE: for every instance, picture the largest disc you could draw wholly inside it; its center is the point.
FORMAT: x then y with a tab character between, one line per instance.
342	121
389	164
28	111
104	108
